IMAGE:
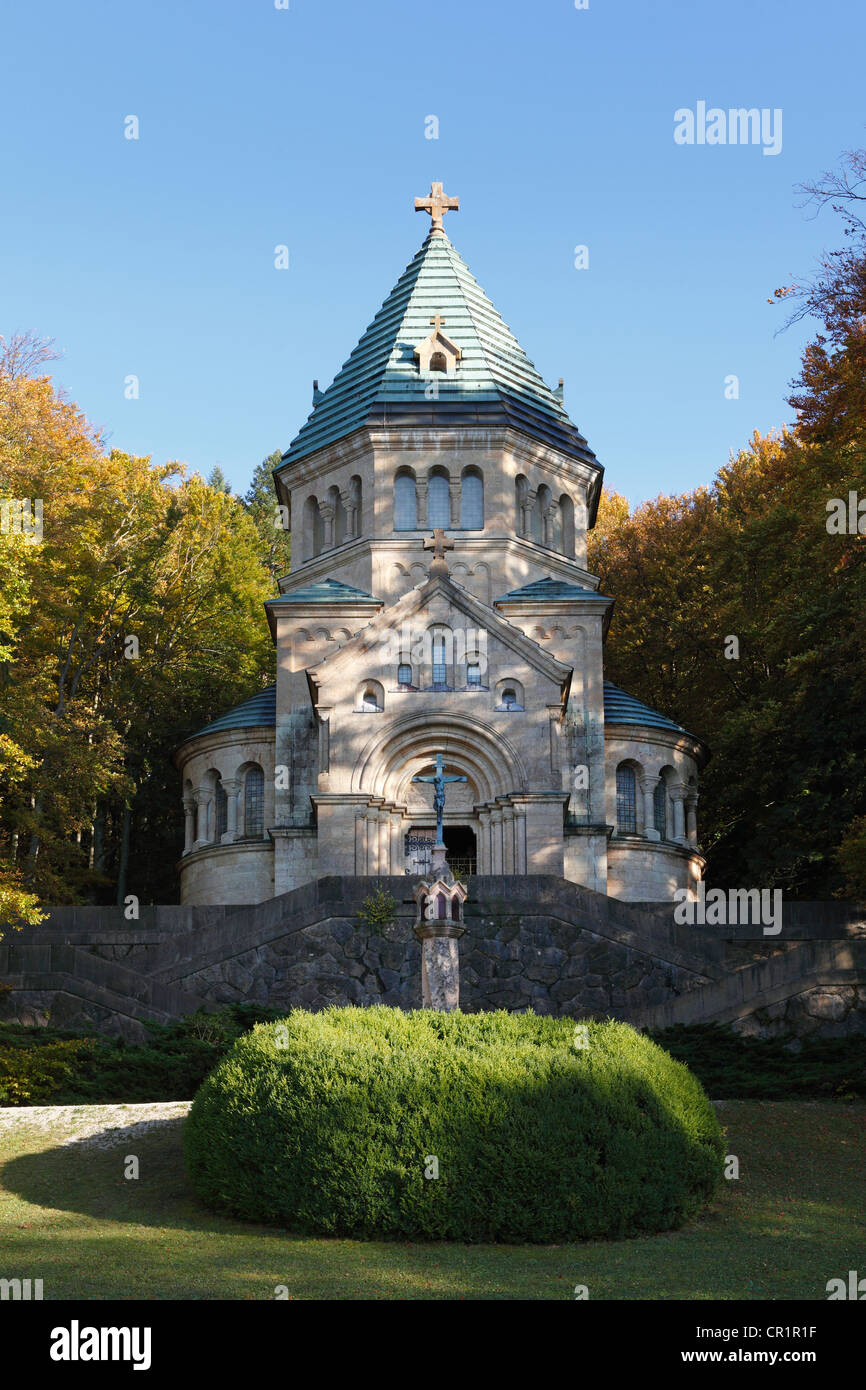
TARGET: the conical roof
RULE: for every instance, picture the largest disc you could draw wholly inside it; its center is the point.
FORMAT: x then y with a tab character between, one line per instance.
494	382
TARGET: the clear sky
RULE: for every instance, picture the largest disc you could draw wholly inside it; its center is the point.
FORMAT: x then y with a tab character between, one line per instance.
306	127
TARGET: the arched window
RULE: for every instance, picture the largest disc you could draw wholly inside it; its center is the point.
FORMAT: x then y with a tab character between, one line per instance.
222	812
440	657
438	502
404	674
626	807
438	362
312	528
509	698
254	803
660	808
472	500
473	676
370	701
521	489
441	905
566	512
405	503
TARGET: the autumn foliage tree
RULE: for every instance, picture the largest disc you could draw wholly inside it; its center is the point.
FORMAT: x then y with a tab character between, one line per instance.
136	618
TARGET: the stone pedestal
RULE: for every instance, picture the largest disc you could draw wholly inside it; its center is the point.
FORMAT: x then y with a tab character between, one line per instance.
440	964
439	928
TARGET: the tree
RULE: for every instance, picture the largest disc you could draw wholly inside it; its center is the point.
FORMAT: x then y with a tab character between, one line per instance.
270	520
144	618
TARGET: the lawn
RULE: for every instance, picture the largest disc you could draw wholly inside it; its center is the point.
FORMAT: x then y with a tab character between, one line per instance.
795	1218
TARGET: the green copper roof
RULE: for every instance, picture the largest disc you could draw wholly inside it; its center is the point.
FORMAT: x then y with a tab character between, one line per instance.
551	591
325	591
261	709
622	708
494	380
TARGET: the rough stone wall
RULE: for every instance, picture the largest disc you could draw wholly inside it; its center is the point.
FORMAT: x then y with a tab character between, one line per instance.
541	943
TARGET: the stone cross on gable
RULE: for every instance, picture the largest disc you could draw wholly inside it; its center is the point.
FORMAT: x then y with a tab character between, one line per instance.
437	205
437	322
438	543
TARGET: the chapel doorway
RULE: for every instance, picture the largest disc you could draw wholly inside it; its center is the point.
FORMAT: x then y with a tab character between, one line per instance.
460	850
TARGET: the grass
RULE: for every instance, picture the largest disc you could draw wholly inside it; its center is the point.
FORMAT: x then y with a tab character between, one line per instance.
795	1218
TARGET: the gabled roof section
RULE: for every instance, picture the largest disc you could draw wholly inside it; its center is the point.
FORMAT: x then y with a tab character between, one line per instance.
259	711
488	619
551	591
494	382
325	591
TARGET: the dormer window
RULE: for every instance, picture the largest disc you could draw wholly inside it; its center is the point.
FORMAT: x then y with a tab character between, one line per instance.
437	353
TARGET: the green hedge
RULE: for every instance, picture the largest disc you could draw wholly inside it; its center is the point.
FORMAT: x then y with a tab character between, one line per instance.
325	1124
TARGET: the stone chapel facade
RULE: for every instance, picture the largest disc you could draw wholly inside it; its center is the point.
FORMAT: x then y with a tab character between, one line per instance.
485	643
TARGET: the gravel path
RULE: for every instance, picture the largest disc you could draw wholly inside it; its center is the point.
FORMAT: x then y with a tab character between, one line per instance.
96	1126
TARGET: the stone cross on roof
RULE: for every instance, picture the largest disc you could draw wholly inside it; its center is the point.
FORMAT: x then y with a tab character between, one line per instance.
437	205
438	543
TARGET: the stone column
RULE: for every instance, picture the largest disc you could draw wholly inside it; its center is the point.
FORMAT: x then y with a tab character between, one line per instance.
189	809
440	963
350	506
360	842
508	840
421	504
496	840
203	815
372	840
485	855
326	511
230	786
649	787
519	839
384	840
398	854
692	819
551	528
677	791
454	499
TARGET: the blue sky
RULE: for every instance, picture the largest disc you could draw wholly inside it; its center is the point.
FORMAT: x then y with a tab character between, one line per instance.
306	127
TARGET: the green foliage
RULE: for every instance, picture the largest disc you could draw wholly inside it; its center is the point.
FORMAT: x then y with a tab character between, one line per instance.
852	858
377	909
731	1066
33	1075
325	1123
170	1066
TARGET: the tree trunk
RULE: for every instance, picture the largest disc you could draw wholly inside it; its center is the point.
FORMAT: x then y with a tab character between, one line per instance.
124	856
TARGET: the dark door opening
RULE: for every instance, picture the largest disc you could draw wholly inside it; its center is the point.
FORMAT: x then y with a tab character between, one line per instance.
460	849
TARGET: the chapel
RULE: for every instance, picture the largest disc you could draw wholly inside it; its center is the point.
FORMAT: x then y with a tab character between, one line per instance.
439	602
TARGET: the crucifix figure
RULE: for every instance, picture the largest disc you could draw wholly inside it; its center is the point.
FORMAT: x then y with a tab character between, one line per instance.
439	779
438	543
437	205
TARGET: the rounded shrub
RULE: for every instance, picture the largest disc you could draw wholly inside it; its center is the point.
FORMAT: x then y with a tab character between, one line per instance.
468	1127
